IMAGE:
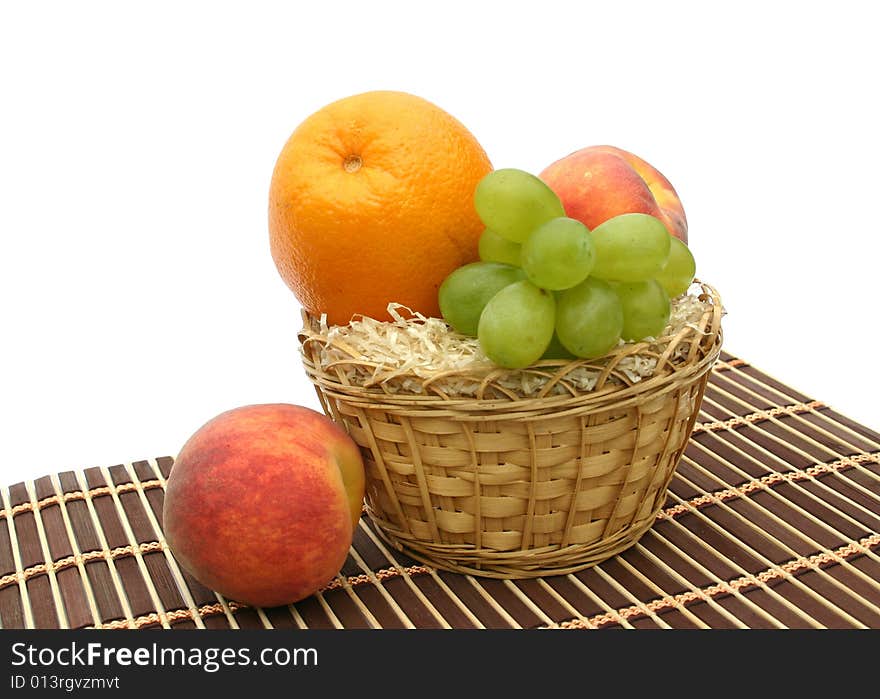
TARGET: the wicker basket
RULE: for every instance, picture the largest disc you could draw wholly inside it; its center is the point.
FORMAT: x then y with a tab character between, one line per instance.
509	487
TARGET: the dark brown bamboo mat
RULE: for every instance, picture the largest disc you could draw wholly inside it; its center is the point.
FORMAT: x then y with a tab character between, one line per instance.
772	521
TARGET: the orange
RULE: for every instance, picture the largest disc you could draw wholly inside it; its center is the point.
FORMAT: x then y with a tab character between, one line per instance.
371	202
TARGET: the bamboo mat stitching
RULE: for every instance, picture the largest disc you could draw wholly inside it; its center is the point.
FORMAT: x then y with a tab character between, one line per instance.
771	573
744	582
384	574
694	504
16	557
619	615
790	418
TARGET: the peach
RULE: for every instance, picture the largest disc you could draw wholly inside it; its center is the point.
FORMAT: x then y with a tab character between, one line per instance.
262	503
599	182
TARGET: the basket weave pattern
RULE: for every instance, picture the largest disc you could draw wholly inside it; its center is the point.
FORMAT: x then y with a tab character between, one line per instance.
507	486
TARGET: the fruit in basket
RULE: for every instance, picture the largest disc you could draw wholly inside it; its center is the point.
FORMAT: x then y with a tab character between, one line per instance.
513	202
679	271
464	294
584	290
262	503
589	318
516	326
558	254
630	248
599	182
645	308
496	248
372	201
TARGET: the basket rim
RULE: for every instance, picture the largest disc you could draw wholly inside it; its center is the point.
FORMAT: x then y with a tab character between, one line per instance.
703	348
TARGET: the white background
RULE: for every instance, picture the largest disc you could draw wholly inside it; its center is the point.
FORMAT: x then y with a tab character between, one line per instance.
137	290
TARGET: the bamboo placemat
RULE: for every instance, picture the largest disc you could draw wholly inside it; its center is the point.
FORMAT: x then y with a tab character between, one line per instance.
772	521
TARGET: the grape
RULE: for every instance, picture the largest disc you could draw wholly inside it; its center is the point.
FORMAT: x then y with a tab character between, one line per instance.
558	254
496	248
514	202
645	308
466	291
589	318
678	273
630	248
517	325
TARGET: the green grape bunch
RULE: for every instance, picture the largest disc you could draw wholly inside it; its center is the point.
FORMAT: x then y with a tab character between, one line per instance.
547	287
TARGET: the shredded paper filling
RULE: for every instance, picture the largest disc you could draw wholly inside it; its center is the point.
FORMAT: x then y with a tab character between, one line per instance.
416	354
